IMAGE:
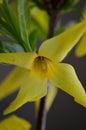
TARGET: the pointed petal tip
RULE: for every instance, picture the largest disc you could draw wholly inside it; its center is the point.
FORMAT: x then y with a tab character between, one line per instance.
63	43
79	54
7	111
81	101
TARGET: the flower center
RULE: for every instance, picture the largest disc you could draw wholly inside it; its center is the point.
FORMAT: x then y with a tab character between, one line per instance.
41	66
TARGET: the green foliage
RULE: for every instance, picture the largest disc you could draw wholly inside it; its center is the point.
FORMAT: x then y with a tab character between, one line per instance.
13	27
69	5
61	29
24	16
10	47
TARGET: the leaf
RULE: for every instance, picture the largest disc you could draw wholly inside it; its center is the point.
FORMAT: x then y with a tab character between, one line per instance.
15	123
1	1
24	19
10	47
9	16
33	39
61	29
69	5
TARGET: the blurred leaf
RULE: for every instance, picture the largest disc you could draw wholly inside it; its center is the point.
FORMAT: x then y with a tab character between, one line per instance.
84	12
24	19
10	47
33	39
60	29
14	123
6	30
39	3
10	18
40	21
1	1
69	5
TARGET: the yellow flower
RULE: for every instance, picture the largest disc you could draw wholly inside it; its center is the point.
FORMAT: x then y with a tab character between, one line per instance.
15	123
81	48
35	69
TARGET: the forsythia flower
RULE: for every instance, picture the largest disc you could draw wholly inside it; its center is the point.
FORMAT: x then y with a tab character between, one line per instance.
15	123
81	48
35	69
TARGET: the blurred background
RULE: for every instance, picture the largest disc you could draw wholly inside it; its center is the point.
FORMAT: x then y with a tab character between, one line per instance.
64	114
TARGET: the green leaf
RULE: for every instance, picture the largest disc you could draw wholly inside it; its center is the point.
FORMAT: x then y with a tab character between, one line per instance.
10	47
10	18
14	123
39	3
6	30
61	29
24	18
69	5
33	39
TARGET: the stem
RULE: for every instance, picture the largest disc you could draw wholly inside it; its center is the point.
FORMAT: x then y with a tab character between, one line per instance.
41	121
42	114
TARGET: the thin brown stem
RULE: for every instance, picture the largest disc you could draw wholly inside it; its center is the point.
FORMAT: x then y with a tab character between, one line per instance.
42	114
41	121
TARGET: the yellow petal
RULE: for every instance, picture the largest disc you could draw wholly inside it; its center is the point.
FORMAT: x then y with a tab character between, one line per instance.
58	47
52	92
51	96
32	89
21	59
42	19
81	48
14	123
12	82
64	77
37	106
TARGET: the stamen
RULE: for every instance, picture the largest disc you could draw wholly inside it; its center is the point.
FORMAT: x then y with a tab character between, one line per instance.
41	66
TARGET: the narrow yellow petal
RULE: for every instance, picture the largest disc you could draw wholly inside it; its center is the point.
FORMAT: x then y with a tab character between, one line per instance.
37	106
52	92
51	96
81	48
14	123
12	82
58	47
32	89
21	59
64	77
